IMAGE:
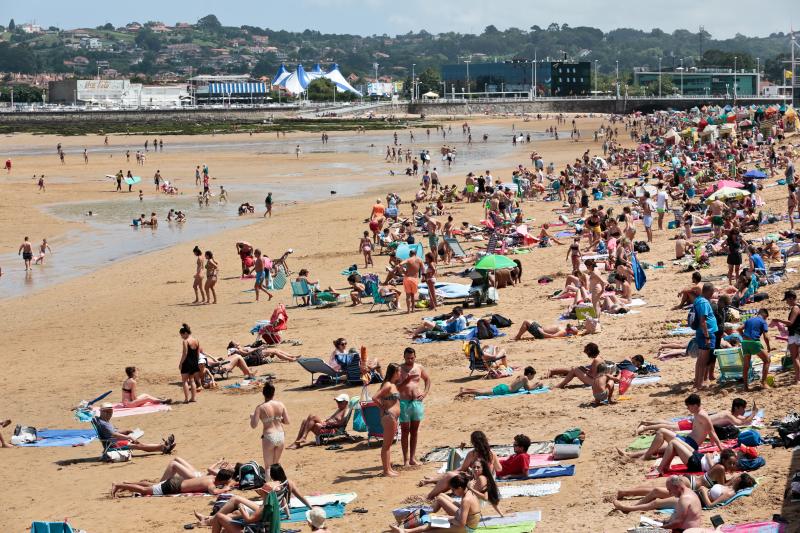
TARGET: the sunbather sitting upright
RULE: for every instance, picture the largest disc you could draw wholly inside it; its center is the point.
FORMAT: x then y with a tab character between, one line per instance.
691	292
314	424
129	396
218	484
111	437
734	417
545	332
454	324
603	385
522	382
583	373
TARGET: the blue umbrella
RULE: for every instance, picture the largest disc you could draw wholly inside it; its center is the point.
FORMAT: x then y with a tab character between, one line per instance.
639	277
755	174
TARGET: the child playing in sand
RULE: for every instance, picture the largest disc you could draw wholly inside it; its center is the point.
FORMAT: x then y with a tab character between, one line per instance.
365	247
603	385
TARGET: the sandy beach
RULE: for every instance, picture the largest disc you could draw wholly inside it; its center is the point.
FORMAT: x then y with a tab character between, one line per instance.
70	341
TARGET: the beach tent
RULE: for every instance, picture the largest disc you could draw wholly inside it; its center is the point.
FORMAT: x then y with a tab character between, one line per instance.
430	95
280	76
341	83
316	72
297	81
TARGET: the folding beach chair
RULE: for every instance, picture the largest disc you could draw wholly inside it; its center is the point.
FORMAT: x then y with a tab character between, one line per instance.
379	300
353	371
51	527
279	280
315	365
491	245
300	290
372	417
455	247
279	321
110	445
341	431
270	517
731	365
475	355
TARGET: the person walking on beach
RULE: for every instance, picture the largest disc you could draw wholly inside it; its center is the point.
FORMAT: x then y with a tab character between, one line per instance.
412	410
197	176
260	268
27	253
387	399
297	151
212	270
268	205
119	177
413	266
190	363
157	180
41	184
43	249
85	157
272	415
8	166
197	283
223	195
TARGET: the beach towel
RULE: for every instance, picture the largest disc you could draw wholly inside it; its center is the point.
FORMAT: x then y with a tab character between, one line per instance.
744	492
518	393
523	522
636	302
530	489
250	382
645	380
755	527
298	514
547	472
625	380
682	330
642	442
120	411
446	290
51	527
52	438
324	499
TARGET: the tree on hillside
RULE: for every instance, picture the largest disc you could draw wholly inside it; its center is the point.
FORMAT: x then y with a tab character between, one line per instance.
429	81
209	23
720	58
148	40
12	25
17	59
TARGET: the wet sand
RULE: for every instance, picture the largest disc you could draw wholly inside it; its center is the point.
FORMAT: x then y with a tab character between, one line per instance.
72	340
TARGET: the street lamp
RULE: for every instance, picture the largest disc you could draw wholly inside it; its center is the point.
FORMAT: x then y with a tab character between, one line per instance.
413	82
659	77
734	79
616	81
467	61
681	76
758	76
595	77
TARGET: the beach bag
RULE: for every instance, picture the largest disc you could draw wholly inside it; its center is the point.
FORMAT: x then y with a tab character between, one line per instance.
692	319
24	435
728	432
746	463
251	476
750	437
483	329
118	456
570	436
437	335
641	247
414	518
358	422
500	321
566	451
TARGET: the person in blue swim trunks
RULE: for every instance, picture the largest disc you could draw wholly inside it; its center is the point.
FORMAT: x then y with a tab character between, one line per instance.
412	410
519	383
260	268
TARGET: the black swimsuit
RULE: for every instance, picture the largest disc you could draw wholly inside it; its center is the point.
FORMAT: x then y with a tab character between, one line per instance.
190	365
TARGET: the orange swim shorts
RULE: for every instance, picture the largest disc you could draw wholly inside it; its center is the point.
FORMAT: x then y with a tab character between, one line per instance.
410	285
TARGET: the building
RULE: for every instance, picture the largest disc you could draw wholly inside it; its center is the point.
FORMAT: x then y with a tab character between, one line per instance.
92	43
115	93
227	89
552	78
701	82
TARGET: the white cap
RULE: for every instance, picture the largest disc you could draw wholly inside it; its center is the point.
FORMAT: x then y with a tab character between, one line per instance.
316	517
342	398
107	406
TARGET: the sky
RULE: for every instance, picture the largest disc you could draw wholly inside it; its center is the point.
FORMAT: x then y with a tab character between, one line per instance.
721	18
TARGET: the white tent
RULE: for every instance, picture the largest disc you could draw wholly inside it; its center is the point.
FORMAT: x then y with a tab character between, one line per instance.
341	83
280	76
316	72
430	95
297	81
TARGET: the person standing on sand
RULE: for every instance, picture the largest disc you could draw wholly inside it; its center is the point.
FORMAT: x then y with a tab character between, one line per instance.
26	250
261	274
43	249
412	410
197	283
212	270
273	416
41	183
413	266
387	399
268	205
197	176
297	151
190	363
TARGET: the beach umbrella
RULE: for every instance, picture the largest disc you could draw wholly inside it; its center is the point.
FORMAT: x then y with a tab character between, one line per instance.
132	180
726	193
639	277
494	262
755	174
722	184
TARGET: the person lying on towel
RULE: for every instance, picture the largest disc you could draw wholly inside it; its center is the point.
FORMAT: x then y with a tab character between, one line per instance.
519	383
516	466
218	484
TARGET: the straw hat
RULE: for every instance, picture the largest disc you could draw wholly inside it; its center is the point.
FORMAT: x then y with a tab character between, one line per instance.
316	517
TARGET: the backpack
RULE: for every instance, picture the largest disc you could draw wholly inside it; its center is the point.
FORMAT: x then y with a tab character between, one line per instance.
747	464
692	320
251	476
500	321
750	437
727	432
483	329
641	247
570	436
437	335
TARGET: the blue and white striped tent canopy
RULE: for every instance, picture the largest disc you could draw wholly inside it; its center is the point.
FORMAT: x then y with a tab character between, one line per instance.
237	88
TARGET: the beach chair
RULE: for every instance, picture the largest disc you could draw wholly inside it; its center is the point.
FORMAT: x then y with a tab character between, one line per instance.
404	250
315	365
300	290
108	445
731	365
475	355
51	527
270	517
279	280
327	435
279	321
377	299
491	245
455	247
352	370
372	417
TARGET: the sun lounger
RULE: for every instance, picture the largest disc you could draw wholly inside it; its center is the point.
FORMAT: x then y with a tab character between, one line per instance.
315	365
51	527
731	365
455	247
338	432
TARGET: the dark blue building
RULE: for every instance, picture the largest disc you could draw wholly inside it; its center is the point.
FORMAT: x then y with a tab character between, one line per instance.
553	78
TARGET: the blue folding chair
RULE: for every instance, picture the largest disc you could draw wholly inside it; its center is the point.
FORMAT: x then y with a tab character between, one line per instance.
300	290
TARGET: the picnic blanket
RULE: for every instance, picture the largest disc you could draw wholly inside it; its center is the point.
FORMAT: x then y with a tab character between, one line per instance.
298	514
120	411
52	438
523	392
547	472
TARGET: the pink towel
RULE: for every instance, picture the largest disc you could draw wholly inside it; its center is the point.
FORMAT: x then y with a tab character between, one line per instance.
120	411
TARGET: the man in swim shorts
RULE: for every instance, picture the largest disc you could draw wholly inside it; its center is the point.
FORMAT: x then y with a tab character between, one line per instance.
219	484
412	267
27	253
717	220
412	410
519	383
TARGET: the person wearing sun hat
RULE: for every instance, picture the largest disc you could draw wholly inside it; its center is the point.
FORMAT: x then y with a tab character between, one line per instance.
316	519
112	437
314	424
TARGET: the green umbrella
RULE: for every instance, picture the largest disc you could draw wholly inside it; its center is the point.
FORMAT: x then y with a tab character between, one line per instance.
494	262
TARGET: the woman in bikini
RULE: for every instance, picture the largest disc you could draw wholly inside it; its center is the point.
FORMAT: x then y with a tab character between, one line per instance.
212	271
483	484
430	278
197	284
574	253
464	517
190	363
388	401
272	415
480	450
129	396
365	247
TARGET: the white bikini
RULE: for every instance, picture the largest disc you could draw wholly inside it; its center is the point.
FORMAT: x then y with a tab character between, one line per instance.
276	438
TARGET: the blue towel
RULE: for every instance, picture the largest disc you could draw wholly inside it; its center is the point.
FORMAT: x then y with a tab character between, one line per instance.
49	438
332	510
547	471
518	393
683	330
